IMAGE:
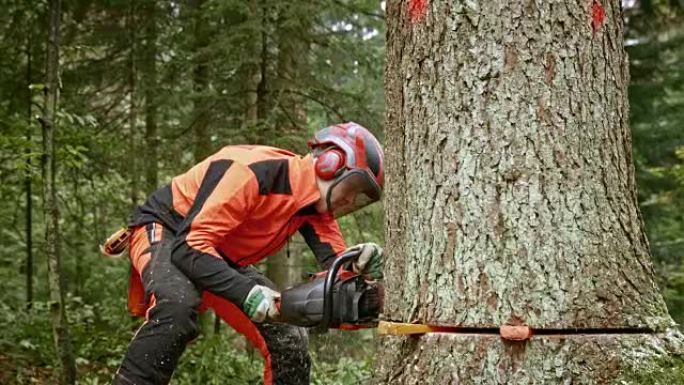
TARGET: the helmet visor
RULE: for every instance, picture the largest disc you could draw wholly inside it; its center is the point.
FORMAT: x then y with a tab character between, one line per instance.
351	192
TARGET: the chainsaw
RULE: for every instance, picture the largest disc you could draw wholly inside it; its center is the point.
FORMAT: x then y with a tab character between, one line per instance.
336	298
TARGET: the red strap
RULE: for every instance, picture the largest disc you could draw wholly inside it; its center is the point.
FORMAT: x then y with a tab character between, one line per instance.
136	295
225	309
234	317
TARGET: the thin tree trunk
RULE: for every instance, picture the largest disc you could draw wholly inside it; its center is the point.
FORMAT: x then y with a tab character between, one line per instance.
252	73
200	125
151	90
293	66
511	196
131	163
200	117
286	267
81	242
60	325
262	89
28	179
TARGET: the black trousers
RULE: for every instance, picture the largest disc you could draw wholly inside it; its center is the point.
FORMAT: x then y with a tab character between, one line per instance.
171	323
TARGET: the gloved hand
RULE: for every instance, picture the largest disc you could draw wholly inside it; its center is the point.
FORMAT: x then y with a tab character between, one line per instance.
369	261
260	303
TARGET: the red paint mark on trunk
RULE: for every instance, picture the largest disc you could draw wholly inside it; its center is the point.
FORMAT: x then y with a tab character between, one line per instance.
417	9
598	15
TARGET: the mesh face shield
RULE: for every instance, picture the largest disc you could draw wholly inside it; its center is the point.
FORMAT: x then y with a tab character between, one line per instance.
352	191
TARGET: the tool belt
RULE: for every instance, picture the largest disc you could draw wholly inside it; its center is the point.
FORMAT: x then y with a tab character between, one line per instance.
117	243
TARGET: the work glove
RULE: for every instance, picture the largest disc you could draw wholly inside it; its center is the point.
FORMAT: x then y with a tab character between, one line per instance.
261	303
369	261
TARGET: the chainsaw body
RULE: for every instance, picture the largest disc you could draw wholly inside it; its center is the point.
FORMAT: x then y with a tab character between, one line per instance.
333	299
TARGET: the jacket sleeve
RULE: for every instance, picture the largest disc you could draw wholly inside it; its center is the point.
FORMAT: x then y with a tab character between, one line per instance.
323	235
226	196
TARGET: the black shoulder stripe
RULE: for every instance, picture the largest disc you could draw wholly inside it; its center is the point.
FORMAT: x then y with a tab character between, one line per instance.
211	179
305	211
324	252
273	176
157	208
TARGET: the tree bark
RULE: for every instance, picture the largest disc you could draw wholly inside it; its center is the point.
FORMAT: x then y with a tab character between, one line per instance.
293	65
511	196
60	324
149	83
28	176
263	62
251	68
200	117
200	124
286	267
131	162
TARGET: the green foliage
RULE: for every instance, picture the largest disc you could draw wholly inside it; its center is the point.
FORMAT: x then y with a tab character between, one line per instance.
345	371
207	55
216	360
656	94
660	371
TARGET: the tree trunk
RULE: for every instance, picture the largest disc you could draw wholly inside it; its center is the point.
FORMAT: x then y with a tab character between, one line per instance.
60	325
262	89
200	117
131	163
252	69
200	124
293	26
28	176
149	80
287	266
511	196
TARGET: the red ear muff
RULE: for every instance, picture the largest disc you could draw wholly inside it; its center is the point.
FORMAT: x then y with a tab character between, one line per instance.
329	163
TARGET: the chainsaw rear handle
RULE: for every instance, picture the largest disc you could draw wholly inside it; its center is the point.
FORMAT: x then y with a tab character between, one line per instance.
329	284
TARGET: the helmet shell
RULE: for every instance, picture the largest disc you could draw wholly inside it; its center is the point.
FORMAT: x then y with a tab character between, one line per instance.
361	149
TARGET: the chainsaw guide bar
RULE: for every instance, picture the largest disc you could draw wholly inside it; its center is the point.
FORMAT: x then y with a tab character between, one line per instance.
507	332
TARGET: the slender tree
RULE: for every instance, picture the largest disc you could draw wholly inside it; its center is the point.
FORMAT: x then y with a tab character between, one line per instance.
251	67
201	143
60	324
287	266
28	179
200	76
511	196
150	90
132	79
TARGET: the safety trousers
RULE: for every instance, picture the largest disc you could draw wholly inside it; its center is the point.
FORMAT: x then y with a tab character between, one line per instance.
171	320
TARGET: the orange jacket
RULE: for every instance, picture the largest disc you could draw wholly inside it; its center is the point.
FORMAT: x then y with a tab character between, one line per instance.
240	205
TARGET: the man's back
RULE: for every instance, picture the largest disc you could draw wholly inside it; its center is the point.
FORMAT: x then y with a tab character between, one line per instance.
241	203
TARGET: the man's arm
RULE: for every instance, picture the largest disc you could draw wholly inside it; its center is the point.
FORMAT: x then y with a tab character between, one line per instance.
226	196
323	235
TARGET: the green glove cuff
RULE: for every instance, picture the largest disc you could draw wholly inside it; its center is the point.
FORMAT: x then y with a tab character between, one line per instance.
252	302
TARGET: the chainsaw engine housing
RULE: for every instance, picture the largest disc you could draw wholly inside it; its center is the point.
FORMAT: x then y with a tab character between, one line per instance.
355	301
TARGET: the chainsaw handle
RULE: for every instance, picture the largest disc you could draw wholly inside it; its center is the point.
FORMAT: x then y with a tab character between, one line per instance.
329	283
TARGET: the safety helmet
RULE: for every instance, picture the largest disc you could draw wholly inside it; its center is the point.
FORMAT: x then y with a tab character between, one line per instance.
351	157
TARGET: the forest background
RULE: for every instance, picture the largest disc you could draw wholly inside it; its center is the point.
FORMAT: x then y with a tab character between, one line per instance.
148	88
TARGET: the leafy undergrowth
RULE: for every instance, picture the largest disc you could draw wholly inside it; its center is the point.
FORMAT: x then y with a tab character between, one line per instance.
101	337
661	371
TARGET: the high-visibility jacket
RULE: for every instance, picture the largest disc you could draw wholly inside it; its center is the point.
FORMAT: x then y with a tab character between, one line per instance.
237	207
